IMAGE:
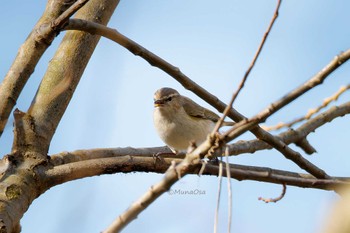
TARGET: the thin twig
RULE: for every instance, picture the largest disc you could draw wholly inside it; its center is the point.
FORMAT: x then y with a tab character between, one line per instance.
171	176
229	190
58	23
297	92
276	199
245	77
311	112
290	154
216	219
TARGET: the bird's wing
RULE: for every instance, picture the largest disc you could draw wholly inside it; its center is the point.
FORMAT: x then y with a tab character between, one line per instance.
195	110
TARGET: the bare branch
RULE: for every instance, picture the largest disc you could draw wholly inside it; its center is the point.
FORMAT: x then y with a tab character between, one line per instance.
216	219
229	222
264	174
65	70
127	164
170	177
291	136
276	199
23	170
82	155
290	154
292	95
311	112
64	17
64	173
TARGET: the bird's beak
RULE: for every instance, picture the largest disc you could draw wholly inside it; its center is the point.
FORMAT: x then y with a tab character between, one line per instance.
158	103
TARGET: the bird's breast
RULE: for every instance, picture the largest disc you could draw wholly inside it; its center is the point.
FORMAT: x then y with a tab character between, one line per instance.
178	129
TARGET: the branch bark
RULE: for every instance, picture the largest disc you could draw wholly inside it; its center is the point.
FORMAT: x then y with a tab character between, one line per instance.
245	77
64	73
27	58
22	171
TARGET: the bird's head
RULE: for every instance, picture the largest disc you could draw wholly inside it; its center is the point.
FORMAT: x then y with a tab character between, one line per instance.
167	99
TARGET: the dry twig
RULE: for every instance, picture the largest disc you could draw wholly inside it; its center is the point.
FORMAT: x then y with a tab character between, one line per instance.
245	77
276	199
229	190
311	112
216	219
58	23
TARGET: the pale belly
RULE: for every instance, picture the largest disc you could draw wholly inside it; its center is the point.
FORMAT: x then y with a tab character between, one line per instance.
178	134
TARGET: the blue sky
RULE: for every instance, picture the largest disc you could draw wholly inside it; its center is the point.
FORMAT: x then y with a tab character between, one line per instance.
213	44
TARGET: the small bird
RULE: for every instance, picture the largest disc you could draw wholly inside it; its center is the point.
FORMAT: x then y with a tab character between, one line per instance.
180	121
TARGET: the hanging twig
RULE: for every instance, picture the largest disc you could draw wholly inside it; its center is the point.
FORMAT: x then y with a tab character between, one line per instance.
229	190
269	200
216	219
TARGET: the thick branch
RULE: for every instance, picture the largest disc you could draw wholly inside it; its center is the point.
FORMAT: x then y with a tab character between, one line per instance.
126	164
64	72
21	171
27	58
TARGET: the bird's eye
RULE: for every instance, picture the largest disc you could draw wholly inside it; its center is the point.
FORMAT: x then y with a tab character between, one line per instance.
169	98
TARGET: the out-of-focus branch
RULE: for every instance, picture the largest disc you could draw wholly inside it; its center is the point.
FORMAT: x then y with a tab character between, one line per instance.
338	218
311	112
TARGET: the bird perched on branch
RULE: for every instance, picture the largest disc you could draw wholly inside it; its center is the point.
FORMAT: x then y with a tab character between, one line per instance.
180	121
